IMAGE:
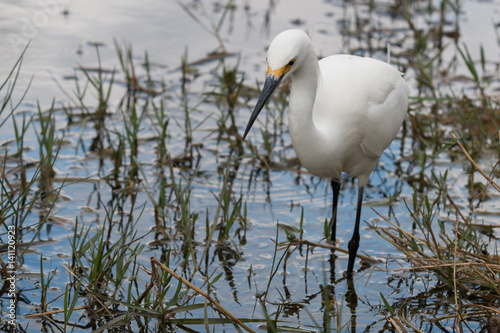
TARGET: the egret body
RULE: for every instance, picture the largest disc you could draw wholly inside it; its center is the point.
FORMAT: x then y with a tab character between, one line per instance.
344	111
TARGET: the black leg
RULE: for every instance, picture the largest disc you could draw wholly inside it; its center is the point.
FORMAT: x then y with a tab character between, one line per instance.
354	242
336	189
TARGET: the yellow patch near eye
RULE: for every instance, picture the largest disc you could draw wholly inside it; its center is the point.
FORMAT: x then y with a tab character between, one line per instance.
278	72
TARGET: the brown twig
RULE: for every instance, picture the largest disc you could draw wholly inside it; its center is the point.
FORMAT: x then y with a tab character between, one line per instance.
457	305
83	307
90	292
170	315
462	148
397	325
297	241
154	261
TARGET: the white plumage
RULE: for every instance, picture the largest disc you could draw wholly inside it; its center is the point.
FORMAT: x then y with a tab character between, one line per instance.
344	111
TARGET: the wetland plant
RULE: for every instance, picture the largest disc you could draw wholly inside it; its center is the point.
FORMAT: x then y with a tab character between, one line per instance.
122	277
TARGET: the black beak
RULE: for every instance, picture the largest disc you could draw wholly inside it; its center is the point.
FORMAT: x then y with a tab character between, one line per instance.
269	86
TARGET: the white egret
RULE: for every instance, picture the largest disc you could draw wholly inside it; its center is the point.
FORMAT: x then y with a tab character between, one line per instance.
344	111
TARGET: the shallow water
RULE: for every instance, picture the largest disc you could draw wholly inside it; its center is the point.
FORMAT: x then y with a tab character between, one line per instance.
60	33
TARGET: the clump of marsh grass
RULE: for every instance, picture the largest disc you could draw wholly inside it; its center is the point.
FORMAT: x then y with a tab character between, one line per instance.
49	146
112	287
462	260
99	114
25	187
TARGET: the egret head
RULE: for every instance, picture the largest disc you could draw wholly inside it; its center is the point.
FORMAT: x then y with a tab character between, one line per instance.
287	50
284	56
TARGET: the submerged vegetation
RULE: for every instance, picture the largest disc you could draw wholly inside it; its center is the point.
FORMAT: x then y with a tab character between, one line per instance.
142	212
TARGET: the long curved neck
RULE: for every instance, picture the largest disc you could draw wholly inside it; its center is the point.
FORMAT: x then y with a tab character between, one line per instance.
305	82
314	146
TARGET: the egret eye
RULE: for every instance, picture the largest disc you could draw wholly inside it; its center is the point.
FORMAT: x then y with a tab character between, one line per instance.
291	62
